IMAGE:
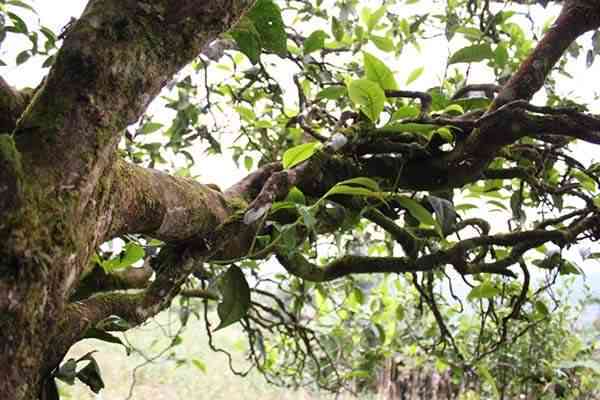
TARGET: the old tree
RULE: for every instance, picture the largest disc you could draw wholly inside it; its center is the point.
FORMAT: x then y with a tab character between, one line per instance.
342	157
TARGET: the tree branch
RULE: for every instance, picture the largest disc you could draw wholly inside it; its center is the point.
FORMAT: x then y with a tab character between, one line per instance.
576	18
457	255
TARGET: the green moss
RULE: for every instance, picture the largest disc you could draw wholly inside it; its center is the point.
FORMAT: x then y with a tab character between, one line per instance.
10	156
238	204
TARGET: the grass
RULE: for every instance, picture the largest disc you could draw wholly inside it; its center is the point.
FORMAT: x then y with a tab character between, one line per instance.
171	374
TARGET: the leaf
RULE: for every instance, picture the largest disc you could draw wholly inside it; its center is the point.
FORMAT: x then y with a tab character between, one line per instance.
369	96
416	210
414	75
568	268
67	371
200	365
501	56
377	71
131	254
372	18
337	29
150	127
296	196
471	54
333	92
90	374
297	154
236	297
248	39
352	191
541	308
405	112
361	181
315	41
382	43
94	333
22	57
22	4
484	291
267	20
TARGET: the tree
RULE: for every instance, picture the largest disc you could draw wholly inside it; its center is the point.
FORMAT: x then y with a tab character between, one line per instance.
358	157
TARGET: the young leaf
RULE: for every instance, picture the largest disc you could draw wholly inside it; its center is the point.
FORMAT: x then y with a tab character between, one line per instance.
369	96
236	297
416	210
315	41
333	92
383	43
377	71
297	154
414	75
337	29
484	291
361	181
471	54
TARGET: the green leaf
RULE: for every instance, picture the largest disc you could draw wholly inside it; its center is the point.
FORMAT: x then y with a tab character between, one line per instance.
352	191
416	210
542	308
297	154
332	92
315	41
267	20
296	196
484	291
405	112
501	56
236	297
22	4
372	18
471	54
377	71
90	374
23	56
414	75
369	96
361	181
382	43
200	365
248	39
337	29
67	372
568	268
131	254
150	127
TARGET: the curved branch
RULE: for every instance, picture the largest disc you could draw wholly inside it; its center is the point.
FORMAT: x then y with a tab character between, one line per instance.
296	264
576	18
